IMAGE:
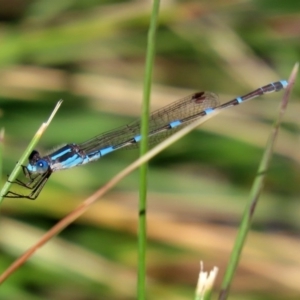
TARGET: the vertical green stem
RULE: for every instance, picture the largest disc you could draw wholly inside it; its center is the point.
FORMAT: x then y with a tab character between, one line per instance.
142	236
1	150
255	193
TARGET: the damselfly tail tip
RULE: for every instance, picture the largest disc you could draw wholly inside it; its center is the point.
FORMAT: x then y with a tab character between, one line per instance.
284	83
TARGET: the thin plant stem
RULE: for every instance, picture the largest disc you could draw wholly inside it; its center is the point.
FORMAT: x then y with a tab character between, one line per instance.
13	175
1	149
142	226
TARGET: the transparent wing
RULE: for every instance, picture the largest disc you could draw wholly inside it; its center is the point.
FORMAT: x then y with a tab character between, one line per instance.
182	109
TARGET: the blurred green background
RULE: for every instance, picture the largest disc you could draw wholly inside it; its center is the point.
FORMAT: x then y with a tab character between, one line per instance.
91	54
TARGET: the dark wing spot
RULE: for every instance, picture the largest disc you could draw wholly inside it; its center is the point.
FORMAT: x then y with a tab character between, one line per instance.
199	97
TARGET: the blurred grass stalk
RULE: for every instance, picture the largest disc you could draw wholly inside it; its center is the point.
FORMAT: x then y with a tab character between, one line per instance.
255	192
142	221
13	175
1	150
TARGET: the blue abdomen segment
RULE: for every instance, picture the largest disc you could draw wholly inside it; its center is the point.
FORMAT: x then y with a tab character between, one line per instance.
175	124
284	83
239	99
137	138
209	110
106	150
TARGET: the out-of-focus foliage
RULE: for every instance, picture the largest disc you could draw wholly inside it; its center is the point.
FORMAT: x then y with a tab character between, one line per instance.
92	54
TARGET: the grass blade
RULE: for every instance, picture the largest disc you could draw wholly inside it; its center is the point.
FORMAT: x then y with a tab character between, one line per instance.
13	175
1	149
142	234
255	193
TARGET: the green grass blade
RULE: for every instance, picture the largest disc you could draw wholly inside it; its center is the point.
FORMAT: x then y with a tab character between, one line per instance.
142	237
255	193
12	177
1	149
